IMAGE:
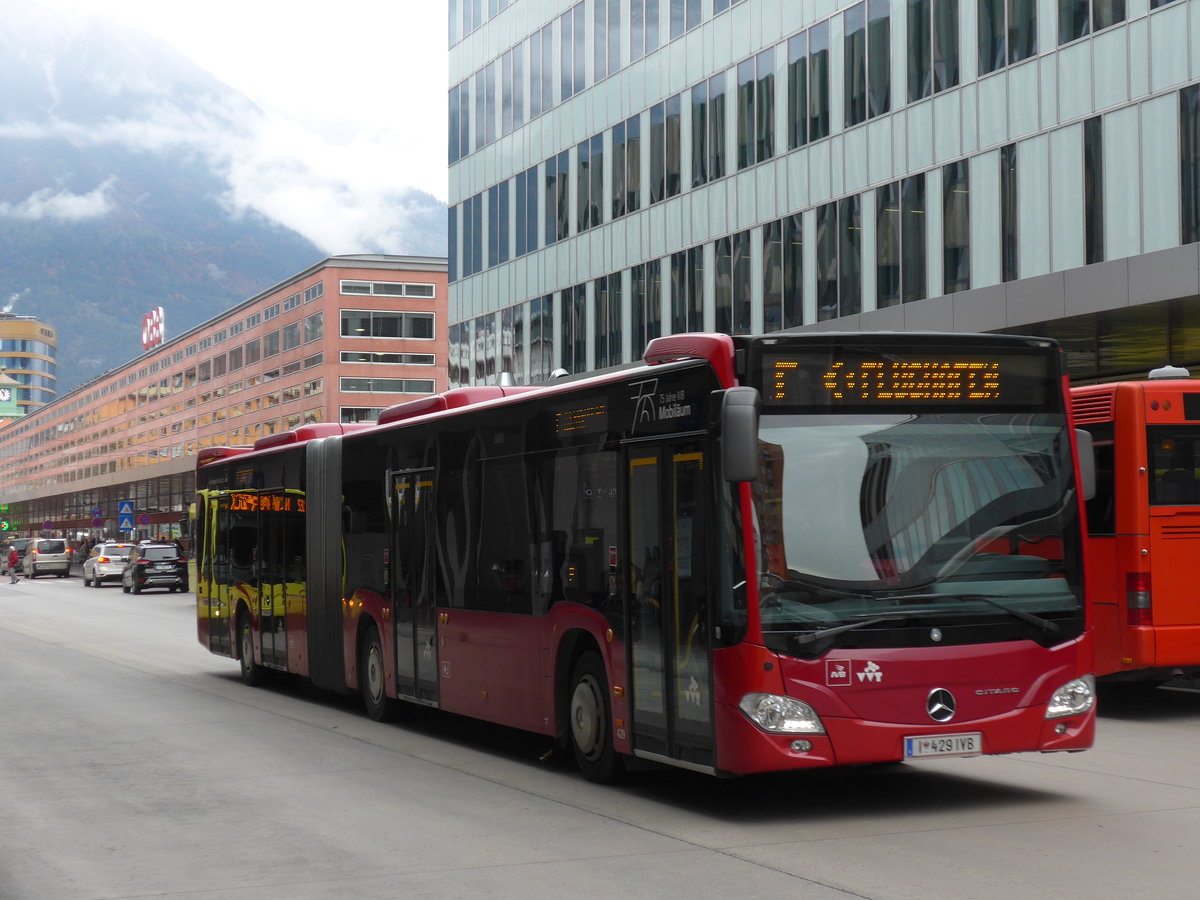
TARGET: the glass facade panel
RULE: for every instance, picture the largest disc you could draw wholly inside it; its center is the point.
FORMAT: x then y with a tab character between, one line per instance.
956	228
772	276
887	245
716	127
827	262
797	102
1008	212
854	63
1189	162
699	135
849	256
818	81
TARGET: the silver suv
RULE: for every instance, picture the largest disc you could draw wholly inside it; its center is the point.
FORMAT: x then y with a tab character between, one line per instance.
106	562
47	556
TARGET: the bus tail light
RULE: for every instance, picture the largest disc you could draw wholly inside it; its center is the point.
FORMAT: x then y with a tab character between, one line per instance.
1137	598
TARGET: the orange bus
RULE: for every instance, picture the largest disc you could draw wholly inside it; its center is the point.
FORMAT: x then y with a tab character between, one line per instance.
1144	524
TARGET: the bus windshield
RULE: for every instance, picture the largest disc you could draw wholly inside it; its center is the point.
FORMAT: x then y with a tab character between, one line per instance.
932	518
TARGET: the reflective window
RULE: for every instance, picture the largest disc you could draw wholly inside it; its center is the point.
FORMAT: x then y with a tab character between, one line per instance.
1077	18
1189	159
756	109
1008	213
589	182
606	306
498	224
527	211
716	127
900	242
1093	191
646	287
932	47
956	228
797	111
1007	32
573	329
818	81
687	290
643	28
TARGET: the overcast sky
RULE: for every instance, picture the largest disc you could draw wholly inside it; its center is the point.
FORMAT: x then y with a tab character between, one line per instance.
356	89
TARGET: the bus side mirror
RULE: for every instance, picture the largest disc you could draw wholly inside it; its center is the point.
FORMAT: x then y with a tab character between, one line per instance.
1087	463
739	434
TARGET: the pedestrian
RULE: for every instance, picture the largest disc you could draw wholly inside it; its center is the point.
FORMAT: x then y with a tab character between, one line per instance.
13	559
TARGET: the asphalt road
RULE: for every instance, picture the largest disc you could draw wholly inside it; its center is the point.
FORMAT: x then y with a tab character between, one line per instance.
134	764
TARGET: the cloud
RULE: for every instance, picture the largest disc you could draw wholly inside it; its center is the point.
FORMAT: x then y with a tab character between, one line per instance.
345	197
51	203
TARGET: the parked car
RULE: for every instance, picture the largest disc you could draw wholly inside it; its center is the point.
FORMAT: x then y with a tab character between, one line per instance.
47	556
154	565
21	544
106	562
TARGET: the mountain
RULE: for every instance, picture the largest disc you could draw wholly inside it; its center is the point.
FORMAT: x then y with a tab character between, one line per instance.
123	183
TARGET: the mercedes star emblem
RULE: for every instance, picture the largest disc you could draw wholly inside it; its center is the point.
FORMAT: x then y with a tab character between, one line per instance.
940	705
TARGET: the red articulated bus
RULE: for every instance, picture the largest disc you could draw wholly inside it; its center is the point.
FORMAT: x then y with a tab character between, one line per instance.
746	554
1144	525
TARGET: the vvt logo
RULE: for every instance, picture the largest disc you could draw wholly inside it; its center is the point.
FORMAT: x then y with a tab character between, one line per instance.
871	672
643	401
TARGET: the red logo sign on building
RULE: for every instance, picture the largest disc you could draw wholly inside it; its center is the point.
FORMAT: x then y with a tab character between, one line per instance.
154	329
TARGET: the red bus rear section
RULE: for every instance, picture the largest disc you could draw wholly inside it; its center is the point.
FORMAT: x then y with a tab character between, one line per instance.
1144	525
748	554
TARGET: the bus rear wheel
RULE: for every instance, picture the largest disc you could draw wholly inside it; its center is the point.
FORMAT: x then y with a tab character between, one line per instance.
252	672
590	721
372	677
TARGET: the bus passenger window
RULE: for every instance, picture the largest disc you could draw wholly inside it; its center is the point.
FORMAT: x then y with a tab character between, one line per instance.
1101	509
1173	464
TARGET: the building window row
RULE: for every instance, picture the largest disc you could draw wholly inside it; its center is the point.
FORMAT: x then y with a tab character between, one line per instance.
548	67
901	242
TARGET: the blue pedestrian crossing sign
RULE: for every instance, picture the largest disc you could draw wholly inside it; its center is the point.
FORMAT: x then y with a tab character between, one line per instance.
125	515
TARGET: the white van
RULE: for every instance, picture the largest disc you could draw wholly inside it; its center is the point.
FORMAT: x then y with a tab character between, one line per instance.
47	556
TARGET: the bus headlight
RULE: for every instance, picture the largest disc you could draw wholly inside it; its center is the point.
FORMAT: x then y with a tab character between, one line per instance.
1072	698
781	715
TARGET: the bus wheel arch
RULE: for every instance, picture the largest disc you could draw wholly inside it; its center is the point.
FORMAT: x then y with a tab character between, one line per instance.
372	672
252	672
585	708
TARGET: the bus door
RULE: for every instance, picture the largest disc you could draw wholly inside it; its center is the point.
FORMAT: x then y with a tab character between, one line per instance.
1174	525
669	513
269	571
413	584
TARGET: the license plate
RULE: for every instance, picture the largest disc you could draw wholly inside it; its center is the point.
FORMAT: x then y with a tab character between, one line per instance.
970	744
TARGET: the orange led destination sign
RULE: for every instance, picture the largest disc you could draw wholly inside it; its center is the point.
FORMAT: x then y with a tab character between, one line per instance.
243	502
924	380
864	378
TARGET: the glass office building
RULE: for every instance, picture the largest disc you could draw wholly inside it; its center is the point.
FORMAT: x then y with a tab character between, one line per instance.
621	169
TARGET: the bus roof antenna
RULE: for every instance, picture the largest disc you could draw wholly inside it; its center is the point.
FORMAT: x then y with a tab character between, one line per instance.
507	380
1169	372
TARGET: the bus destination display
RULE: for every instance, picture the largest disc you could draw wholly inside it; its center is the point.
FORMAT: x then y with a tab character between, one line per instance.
884	378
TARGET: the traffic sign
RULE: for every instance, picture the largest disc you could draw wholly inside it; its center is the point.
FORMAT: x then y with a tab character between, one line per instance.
125	523
124	507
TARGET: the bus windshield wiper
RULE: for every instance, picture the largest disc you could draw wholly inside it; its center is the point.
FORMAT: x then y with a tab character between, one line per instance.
991	600
1045	625
813	636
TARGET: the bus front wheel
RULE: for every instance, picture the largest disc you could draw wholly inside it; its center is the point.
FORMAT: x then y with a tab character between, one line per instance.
252	672
372	677
590	721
